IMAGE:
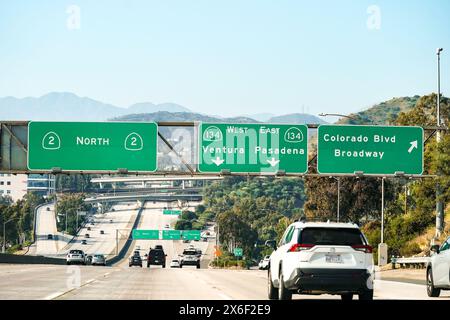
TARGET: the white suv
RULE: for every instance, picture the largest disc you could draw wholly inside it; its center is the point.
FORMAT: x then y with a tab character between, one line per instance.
76	256
321	257
438	270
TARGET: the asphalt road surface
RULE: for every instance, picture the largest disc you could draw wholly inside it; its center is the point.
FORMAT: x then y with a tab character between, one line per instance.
122	282
153	219
122	216
45	225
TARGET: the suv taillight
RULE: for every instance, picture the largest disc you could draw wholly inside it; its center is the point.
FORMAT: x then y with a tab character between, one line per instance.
363	248
300	247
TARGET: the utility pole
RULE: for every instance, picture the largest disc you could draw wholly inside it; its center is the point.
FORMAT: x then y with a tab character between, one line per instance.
117	242
382	210
339	198
382	247
439	204
406	199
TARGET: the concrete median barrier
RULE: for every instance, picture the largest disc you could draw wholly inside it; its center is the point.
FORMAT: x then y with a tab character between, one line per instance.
29	259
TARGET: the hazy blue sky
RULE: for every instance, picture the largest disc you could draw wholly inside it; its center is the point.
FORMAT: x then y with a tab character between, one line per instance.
226	57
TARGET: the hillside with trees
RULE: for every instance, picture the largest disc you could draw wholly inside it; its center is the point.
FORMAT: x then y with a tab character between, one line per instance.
382	113
253	210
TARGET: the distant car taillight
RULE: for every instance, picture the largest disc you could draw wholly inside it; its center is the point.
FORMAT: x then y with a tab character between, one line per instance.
300	247
362	248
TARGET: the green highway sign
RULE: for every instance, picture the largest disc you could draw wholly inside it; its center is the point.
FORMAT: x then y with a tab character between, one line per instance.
170	211
171	234
145	234
344	149
238	252
242	148
191	234
92	146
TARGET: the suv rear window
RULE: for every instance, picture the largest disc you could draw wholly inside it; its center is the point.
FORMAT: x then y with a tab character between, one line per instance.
156	253
331	236
76	252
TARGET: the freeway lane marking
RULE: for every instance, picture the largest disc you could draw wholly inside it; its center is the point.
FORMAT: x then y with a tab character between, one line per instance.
60	294
224	296
53	295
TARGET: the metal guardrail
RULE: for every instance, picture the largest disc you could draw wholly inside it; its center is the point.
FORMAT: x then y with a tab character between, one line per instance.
410	261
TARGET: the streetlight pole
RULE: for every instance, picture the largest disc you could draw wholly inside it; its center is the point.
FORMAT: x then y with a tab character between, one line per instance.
339	115
439	204
382	210
4	233
338	197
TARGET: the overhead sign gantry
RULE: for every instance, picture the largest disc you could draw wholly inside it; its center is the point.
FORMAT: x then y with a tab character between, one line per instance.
236	149
344	149
92	146
249	148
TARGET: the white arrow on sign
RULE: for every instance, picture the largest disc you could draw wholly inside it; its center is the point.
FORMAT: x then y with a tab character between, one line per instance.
273	162
218	161
413	145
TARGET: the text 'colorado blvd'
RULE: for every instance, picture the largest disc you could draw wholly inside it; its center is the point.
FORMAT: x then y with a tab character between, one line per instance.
370	149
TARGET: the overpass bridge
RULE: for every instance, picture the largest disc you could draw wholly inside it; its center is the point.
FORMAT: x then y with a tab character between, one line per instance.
152	178
144	197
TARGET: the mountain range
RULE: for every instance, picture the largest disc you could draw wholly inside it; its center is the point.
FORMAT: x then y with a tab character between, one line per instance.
66	106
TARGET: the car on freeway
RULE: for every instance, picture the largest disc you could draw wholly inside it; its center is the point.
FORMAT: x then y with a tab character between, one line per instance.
98	260
88	228
102	232
167	226
264	263
83	241
190	257
48	209
88	259
49	237
135	260
156	256
186	241
87	235
438	269
175	263
321	258
76	257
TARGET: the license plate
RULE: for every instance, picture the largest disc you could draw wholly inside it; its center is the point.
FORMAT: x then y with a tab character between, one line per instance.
333	258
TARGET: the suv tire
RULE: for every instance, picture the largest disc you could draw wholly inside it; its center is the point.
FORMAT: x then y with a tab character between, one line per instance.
283	293
347	296
272	292
366	295
431	290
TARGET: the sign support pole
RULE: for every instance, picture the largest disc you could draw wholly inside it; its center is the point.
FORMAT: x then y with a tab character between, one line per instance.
382	210
339	198
439	204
